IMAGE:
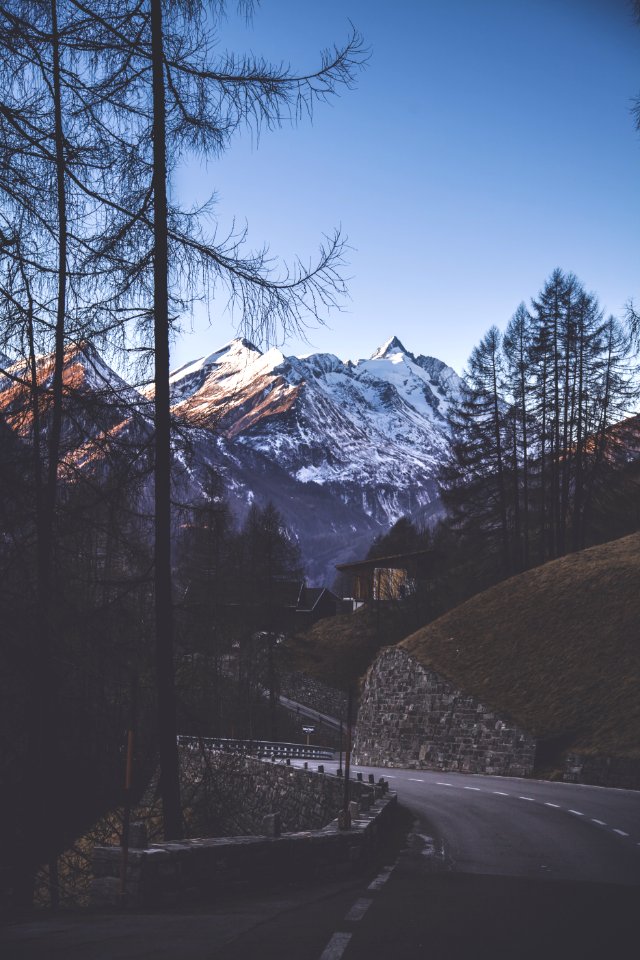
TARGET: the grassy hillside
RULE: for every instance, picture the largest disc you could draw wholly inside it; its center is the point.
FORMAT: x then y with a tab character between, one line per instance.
557	648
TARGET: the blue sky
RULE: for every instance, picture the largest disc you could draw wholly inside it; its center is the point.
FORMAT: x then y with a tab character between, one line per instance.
485	144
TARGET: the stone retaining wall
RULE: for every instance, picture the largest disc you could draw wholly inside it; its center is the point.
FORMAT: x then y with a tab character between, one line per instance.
229	795
602	771
411	717
314	694
168	873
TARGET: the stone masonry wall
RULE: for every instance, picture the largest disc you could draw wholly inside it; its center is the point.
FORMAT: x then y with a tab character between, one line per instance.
190	870
229	795
602	771
411	717
314	694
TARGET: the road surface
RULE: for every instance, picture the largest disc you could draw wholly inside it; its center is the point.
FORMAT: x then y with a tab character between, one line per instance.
504	868
496	868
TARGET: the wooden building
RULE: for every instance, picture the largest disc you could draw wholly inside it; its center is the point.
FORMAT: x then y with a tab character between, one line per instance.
393	577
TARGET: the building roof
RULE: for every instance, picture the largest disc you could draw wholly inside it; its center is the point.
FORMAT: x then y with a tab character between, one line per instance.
418	563
311	596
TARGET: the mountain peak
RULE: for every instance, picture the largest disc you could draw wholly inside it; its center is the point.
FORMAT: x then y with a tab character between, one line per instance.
390	347
239	346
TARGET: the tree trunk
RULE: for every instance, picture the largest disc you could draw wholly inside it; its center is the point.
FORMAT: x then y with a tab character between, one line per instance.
40	807
167	732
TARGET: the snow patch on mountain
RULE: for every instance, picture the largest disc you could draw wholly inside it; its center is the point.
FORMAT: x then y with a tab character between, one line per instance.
371	433
343	449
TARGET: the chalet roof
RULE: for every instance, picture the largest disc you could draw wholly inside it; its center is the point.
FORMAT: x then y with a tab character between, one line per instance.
417	563
311	595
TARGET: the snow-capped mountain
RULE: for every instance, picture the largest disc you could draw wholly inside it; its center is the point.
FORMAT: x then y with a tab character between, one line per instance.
342	449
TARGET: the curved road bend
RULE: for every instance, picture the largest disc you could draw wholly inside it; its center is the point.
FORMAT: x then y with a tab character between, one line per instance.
509	868
495	868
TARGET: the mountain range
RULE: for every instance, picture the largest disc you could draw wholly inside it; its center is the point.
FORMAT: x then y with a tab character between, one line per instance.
342	449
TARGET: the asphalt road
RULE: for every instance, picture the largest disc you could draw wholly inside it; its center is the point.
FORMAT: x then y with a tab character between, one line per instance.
503	868
491	867
502	826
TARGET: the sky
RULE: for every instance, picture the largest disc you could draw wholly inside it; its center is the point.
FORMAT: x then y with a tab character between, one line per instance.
485	144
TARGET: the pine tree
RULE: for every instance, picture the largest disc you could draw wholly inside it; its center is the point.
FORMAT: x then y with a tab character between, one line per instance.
516	347
473	483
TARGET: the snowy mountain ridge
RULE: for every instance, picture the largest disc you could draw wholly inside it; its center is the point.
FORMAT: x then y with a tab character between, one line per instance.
343	449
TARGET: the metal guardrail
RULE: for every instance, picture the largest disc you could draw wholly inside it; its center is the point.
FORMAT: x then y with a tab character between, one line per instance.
272	749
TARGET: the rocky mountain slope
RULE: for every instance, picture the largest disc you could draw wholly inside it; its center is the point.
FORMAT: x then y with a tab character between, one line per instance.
342	449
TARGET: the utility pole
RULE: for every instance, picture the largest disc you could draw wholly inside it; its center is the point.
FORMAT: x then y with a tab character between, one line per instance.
345	818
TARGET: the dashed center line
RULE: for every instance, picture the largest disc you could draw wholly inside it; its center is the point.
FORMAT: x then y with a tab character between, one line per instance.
620	833
439	783
548	803
600	823
359	909
336	946
501	793
473	788
415	780
381	879
577	813
531	799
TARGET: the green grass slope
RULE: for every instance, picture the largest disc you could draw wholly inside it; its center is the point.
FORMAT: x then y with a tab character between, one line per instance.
557	649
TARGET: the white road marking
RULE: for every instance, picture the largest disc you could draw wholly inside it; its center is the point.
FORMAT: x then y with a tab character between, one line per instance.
390	776
500	793
415	780
359	909
556	806
620	832
577	813
600	823
336	946
527	798
381	879
473	788
439	783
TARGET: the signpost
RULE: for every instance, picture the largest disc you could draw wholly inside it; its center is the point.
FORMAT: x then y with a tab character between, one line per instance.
308	731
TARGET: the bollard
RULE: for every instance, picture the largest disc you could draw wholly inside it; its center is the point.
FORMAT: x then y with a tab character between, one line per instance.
372	779
339	772
271	825
138	836
321	768
306	765
288	761
359	776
